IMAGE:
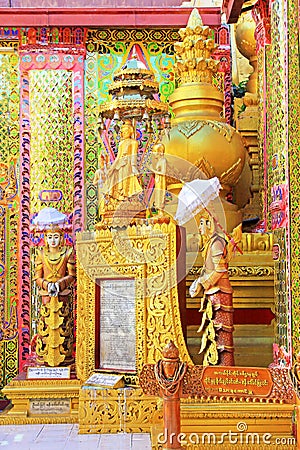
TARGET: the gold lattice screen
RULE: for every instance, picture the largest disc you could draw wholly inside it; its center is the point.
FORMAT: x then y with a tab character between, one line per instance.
51	122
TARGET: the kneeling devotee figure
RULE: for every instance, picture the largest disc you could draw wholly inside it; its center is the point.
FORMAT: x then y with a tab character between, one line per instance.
216	303
54	274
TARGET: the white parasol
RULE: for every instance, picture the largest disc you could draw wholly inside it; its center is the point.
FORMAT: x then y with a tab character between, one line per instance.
195	196
49	216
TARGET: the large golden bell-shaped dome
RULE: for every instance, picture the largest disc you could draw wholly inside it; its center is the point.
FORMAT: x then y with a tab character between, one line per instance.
199	135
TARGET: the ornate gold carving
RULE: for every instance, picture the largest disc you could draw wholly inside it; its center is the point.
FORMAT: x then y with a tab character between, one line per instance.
111	410
148	380
253	242
251	271
18	420
223	128
190	127
20	392
231	176
146	253
204	165
241	271
50	340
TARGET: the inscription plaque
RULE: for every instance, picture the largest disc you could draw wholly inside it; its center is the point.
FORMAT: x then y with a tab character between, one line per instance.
41	406
117	325
43	372
240	381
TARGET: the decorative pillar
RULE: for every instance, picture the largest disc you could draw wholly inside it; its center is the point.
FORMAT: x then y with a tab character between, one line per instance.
293	18
41	49
247	120
271	25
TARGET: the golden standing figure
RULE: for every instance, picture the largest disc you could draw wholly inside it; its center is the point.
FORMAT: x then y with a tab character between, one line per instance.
159	167
99	179
216	303
54	274
122	176
100	176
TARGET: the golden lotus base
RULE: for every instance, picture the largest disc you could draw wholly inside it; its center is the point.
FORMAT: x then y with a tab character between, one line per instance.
41	401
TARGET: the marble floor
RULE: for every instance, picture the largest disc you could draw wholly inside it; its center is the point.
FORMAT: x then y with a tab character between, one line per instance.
66	437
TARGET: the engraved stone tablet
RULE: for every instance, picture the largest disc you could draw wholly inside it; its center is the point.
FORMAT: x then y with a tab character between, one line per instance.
41	406
53	373
117	325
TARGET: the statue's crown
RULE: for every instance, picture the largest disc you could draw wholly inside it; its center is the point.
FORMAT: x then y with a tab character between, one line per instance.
54	228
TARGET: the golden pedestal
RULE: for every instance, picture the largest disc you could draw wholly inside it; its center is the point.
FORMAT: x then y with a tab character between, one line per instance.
41	401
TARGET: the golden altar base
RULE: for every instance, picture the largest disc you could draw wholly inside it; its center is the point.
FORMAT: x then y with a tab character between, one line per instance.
23	393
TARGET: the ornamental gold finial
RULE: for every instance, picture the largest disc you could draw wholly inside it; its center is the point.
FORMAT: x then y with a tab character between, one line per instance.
170	351
193	54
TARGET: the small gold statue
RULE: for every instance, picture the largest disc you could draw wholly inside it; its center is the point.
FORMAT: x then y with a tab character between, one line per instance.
54	274
122	176
216	303
158	167
100	176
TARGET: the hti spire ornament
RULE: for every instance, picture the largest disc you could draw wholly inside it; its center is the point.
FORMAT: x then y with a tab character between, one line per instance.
194	62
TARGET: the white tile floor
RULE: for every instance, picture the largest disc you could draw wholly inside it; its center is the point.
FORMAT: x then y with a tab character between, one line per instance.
66	437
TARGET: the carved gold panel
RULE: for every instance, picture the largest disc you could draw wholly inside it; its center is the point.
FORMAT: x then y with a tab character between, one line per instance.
146	253
117	410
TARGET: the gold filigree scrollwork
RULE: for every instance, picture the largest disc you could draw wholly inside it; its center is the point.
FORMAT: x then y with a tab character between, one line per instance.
110	410
242	271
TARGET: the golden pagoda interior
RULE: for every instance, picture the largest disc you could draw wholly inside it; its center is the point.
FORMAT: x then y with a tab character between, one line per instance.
149	219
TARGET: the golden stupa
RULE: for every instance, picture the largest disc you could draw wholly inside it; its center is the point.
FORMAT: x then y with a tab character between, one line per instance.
199	135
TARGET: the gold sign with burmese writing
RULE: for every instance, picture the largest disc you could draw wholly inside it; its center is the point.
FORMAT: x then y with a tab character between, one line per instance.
237	381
